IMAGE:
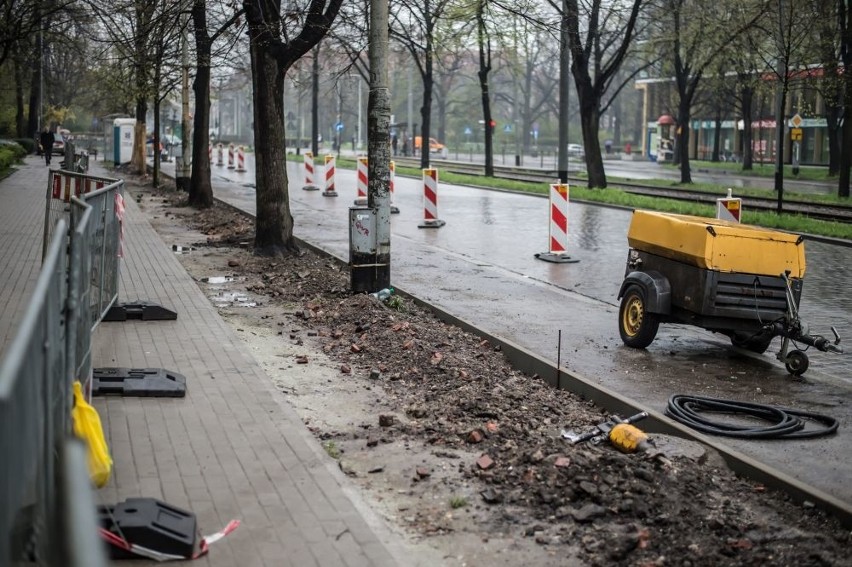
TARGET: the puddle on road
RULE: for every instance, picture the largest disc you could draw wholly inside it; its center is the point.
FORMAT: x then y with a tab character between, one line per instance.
235	299
221	298
219	280
182	249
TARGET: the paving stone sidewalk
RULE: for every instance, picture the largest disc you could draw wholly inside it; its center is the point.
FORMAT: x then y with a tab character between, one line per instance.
233	448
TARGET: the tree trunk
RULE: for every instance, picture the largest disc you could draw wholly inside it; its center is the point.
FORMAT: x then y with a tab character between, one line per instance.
484	69
20	120
155	147
138	160
846	146
717	135
274	222
748	133
426	111
682	139
590	121
200	188
35	89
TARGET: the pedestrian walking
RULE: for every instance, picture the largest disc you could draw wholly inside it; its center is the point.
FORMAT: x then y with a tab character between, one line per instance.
394	143
46	141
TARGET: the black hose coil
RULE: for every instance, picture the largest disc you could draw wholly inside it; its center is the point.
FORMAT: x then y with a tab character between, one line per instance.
786	423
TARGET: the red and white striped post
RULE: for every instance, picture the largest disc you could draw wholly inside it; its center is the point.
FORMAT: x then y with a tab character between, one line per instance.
241	160
430	200
558	248
231	156
220	154
362	174
393	208
329	178
309	173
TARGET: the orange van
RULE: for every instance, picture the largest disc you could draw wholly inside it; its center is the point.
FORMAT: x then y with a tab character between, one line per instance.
435	146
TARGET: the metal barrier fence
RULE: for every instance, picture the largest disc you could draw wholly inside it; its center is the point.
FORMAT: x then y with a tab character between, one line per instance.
47	512
61	186
35	394
103	243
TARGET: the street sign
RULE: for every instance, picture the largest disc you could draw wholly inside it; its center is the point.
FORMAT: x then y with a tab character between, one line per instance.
796	134
796	121
507	128
339	126
467	130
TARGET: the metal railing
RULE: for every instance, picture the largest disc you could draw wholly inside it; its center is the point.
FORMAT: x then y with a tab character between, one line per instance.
47	511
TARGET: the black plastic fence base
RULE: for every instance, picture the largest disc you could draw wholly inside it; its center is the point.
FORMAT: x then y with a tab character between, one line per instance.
556	258
138	382
143	310
149	523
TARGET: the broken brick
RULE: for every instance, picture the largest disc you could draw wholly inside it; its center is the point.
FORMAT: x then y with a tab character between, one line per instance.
485	462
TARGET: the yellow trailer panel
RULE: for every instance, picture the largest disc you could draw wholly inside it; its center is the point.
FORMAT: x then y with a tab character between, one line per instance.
719	245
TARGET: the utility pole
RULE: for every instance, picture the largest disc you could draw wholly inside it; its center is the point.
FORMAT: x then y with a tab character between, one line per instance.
369	254
564	85
182	172
780	100
360	105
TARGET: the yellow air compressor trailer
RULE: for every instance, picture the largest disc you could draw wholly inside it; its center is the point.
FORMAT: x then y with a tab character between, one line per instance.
738	280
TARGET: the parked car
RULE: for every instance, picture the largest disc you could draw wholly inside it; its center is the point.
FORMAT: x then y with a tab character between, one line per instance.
58	144
576	150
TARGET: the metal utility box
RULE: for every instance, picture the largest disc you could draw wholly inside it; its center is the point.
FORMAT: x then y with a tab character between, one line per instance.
363	248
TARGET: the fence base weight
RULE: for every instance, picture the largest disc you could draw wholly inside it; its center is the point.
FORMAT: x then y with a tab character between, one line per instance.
151	524
143	310
556	258
432	224
138	382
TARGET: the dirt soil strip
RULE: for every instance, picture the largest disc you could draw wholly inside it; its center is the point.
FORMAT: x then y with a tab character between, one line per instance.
460	452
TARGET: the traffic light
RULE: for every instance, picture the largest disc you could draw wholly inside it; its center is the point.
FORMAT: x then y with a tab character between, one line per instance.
492	124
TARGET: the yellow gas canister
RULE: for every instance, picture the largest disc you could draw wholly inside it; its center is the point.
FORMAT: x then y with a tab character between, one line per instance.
628	438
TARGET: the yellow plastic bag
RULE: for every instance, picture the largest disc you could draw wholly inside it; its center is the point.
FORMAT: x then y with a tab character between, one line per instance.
87	426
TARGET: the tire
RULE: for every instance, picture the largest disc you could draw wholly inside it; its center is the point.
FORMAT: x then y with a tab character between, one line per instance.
636	326
754	343
797	362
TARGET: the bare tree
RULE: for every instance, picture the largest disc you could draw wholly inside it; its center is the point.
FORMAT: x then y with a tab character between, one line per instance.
200	188
844	23
598	49
274	48
690	36
135	37
483	41
413	25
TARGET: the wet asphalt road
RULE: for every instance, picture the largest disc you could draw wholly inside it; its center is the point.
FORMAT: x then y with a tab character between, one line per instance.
481	268
638	170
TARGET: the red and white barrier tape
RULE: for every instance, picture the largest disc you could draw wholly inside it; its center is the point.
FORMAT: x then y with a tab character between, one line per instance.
203	548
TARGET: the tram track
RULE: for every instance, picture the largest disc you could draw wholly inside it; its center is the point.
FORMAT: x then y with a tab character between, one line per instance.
834	213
